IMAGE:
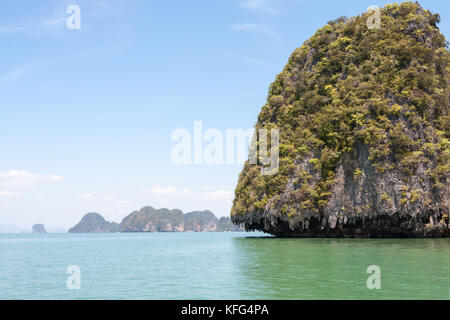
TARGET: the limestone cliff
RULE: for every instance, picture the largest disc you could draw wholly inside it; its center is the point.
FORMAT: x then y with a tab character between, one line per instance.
364	134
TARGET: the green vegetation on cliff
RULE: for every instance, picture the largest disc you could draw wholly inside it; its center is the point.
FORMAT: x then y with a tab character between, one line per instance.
364	132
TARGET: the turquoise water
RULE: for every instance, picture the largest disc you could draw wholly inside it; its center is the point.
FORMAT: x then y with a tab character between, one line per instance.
220	266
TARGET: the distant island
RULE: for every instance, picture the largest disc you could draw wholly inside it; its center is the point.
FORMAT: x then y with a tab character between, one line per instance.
94	223
149	219
38	229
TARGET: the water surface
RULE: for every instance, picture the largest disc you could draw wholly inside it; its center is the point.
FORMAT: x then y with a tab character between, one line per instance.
220	266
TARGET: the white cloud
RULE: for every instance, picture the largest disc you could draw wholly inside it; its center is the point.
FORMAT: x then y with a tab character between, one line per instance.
186	191
8	194
259	63
168	190
258	5
254	28
55	22
36	27
14	74
122	202
17	178
108	198
163	190
219	194
10	29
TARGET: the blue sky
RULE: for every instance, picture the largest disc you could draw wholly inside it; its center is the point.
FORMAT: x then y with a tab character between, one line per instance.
86	115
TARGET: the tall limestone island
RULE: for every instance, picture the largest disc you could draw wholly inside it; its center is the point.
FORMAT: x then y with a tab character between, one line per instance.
38	229
364	127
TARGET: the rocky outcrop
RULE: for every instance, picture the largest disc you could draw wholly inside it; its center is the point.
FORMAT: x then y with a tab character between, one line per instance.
200	221
94	223
364	119
38	229
149	219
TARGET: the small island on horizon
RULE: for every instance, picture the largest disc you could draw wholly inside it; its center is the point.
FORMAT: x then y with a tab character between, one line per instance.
38	229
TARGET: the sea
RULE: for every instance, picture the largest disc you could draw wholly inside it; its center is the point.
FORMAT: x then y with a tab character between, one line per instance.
225	265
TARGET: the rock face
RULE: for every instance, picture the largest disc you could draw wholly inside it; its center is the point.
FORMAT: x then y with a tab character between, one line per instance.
38	229
94	223
364	134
